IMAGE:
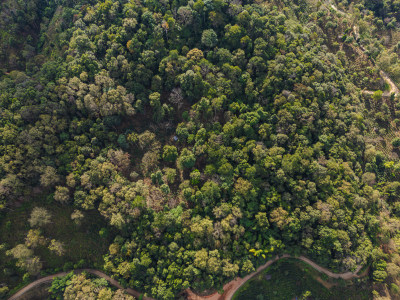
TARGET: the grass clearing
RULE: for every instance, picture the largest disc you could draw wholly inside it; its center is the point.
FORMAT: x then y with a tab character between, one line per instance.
292	279
83	245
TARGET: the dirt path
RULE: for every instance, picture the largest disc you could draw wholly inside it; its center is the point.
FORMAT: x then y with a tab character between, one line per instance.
336	9
35	284
393	88
50	278
231	287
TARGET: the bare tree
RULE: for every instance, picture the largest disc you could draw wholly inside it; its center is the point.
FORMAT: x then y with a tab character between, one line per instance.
176	97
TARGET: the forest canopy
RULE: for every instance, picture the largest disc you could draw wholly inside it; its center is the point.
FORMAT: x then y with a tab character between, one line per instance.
208	134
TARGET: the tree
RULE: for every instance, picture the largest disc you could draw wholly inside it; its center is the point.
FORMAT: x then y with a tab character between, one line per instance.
369	178
306	295
62	194
165	189
25	259
262	220
32	265
244	188
396	142
49	177
170	153
4	291
233	35
147	140
186	159
176	97
229	270
214	263
379	276
81	287
185	15
57	247
117	220
209	38
195	54
149	161
195	177
34	238
120	159
211	192
39	217
280	217
155	103
247	267
77	216
59	284
21	252
377	96
10	188
201	258
393	270
170	175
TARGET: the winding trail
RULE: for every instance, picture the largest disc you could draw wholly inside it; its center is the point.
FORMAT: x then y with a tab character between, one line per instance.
49	279
35	284
393	87
229	289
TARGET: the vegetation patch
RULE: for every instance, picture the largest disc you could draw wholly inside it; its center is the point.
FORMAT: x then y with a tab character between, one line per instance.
291	279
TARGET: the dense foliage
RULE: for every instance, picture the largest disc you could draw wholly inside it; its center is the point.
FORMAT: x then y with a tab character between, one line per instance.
211	134
72	287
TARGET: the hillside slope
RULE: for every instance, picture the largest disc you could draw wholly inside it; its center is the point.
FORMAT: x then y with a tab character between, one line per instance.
208	135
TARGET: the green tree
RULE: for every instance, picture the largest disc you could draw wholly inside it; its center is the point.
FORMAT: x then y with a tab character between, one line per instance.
170	153
209	38
59	284
186	159
396	142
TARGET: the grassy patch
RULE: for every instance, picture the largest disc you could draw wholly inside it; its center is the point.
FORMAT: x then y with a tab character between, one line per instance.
292	279
84	247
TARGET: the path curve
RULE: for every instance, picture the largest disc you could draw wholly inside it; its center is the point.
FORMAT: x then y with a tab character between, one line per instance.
393	87
231	287
98	273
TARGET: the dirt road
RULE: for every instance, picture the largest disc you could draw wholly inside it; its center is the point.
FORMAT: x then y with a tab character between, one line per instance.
35	284
50	278
393	88
231	287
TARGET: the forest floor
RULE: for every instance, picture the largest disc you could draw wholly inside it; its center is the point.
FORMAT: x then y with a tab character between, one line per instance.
84	247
